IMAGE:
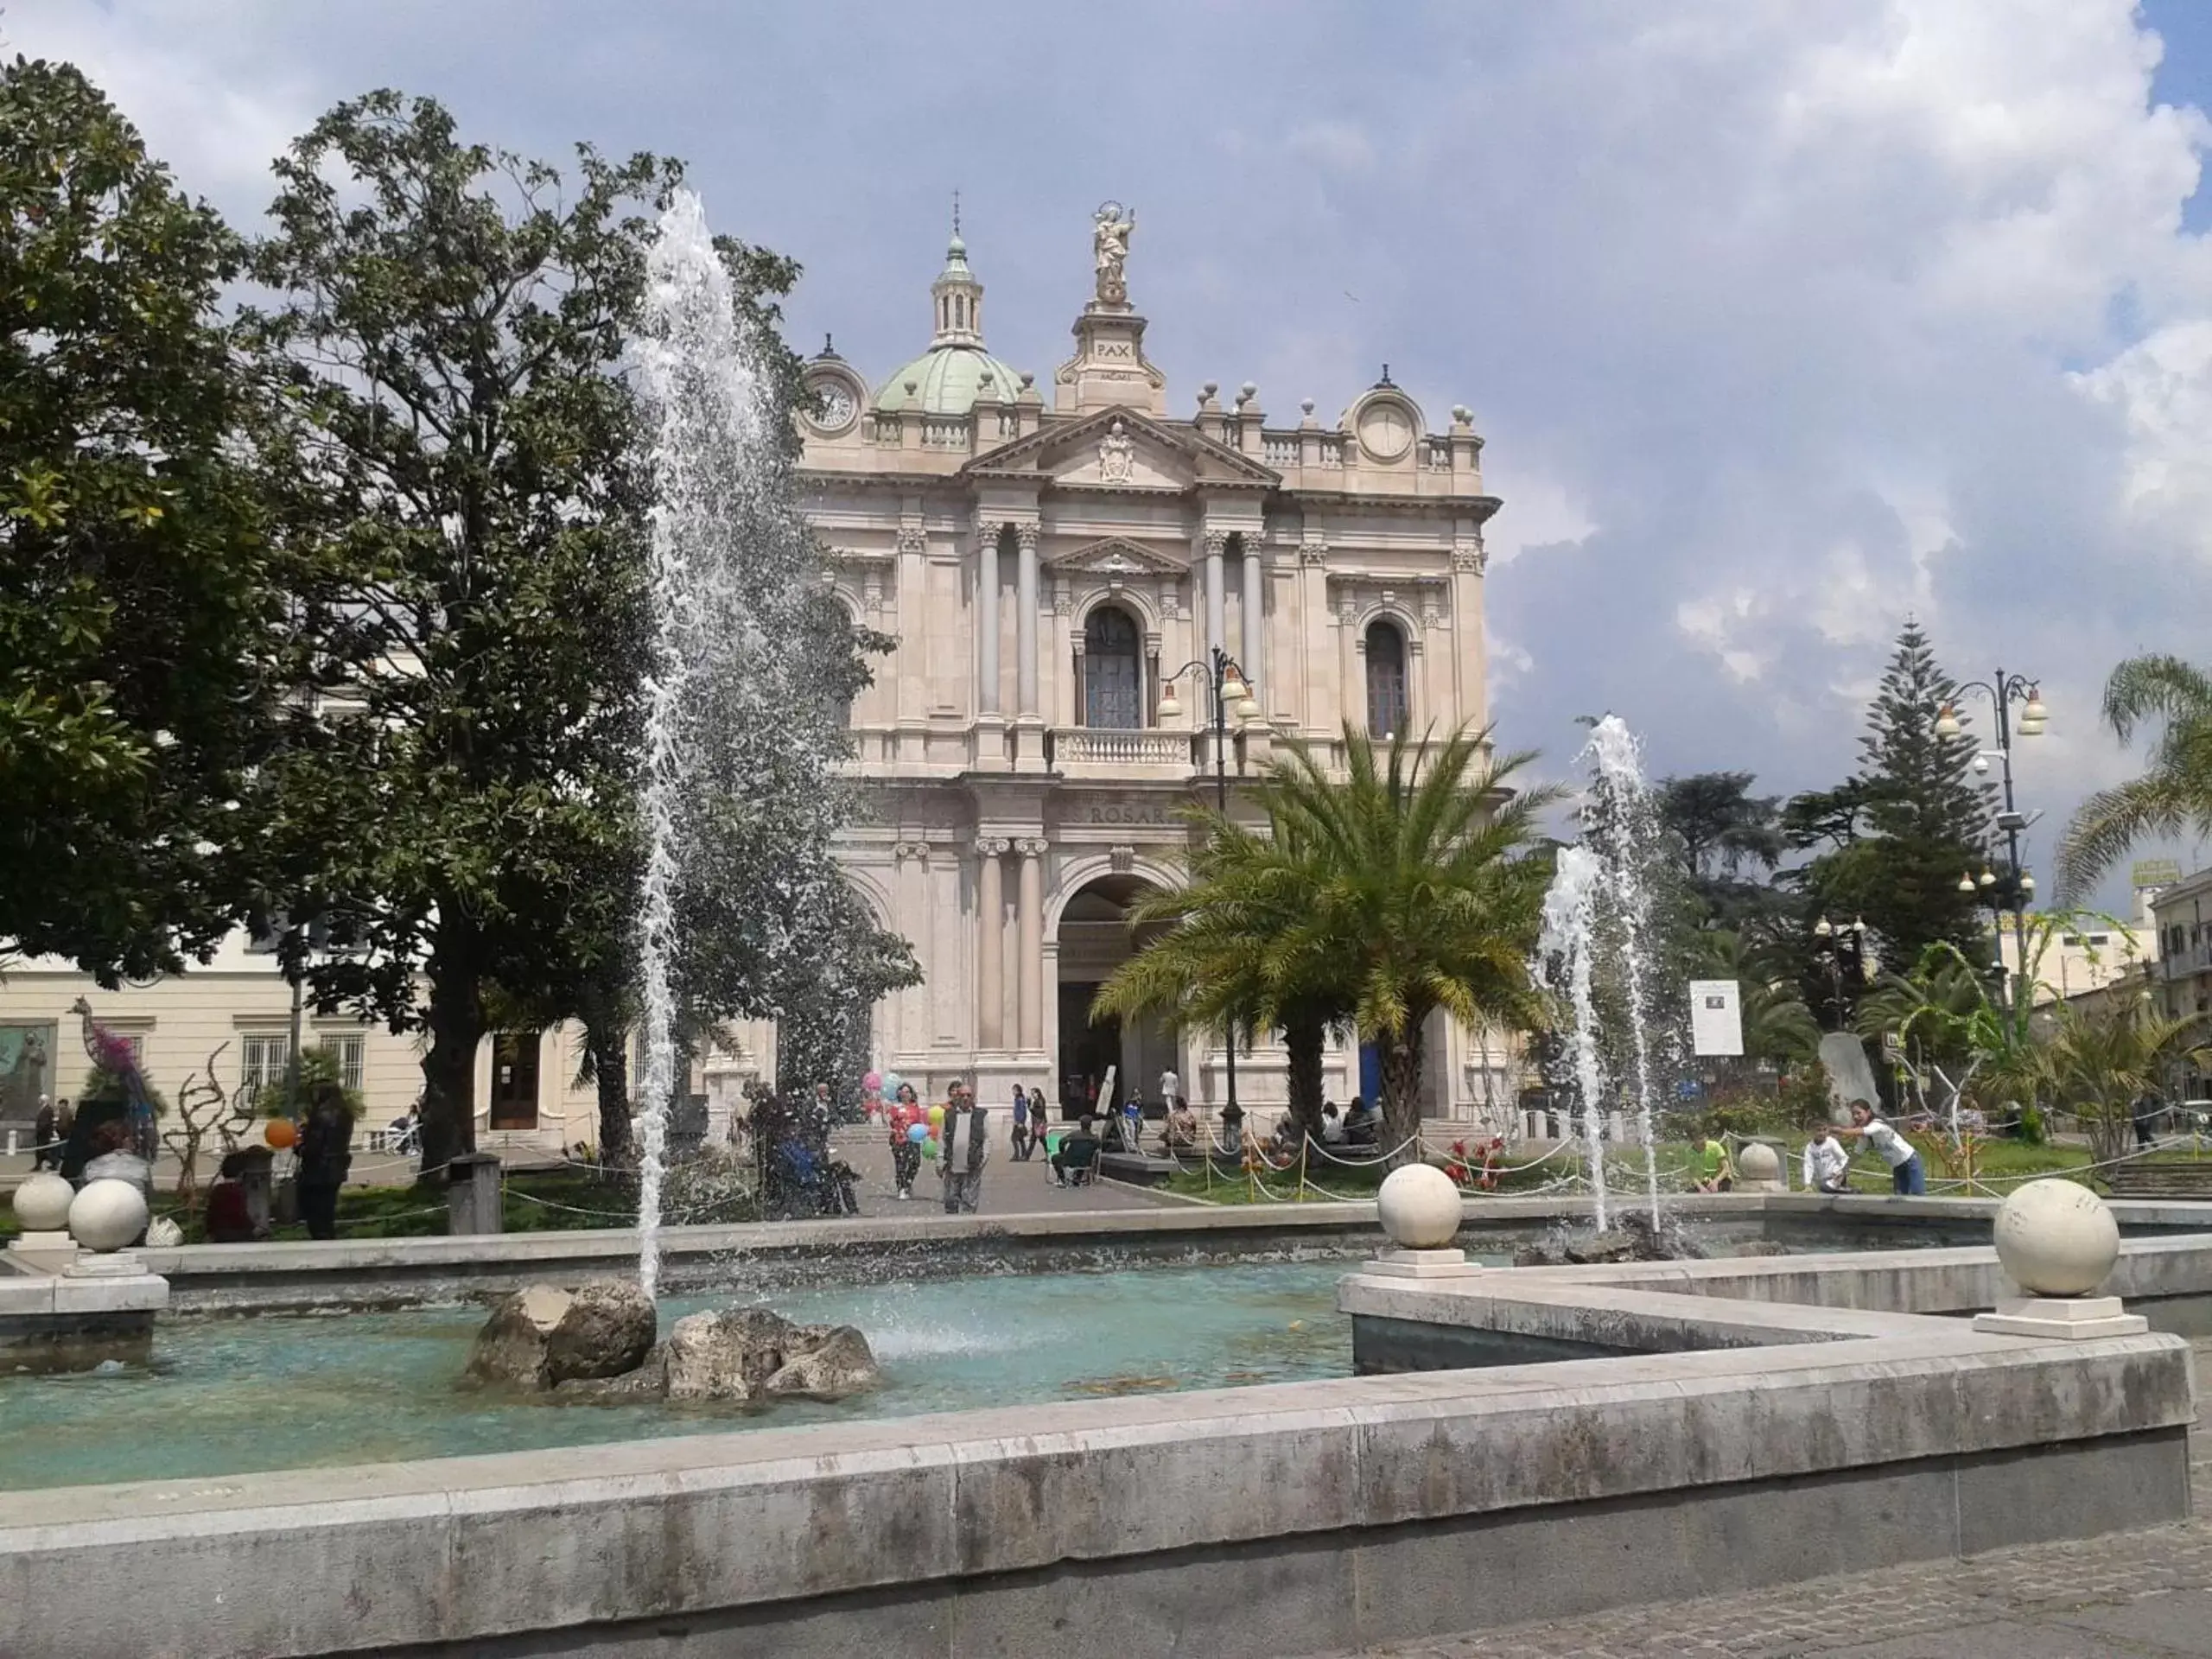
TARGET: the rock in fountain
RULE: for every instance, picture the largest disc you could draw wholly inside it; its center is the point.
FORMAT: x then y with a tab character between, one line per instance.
596	1343
544	1336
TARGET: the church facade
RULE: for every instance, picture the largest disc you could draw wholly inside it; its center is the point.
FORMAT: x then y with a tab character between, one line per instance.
1057	562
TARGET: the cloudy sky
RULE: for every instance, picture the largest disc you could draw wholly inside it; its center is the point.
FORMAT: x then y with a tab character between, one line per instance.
1781	321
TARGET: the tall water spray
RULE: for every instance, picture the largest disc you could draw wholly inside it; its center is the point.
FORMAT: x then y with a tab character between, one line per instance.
1566	948
710	411
1623	828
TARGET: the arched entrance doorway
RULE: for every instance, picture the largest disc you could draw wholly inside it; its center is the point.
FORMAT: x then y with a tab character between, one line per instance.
1095	938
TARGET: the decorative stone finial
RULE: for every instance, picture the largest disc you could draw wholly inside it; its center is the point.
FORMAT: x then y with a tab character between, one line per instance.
42	1203
1419	1208
2057	1242
1247	392
107	1214
1305	408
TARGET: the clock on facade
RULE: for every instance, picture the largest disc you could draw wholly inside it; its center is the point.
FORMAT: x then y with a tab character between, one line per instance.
1386	431
836	405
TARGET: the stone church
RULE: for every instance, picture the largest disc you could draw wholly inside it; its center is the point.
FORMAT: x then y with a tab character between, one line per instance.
1055	560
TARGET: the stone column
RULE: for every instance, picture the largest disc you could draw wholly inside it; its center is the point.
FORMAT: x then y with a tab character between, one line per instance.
1025	621
1318	688
1030	993
1247	651
987	618
1469	560
990	946
1216	542
910	693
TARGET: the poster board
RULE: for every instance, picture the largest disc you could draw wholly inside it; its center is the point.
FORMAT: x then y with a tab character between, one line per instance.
1716	1017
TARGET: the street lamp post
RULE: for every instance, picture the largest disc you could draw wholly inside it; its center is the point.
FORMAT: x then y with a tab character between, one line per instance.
1219	672
2003	691
1834	943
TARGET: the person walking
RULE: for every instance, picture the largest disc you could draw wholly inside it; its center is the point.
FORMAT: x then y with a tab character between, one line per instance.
1908	1175
906	1114
1021	1139
326	1153
1171	1088
964	1146
1828	1166
45	1148
2145	1113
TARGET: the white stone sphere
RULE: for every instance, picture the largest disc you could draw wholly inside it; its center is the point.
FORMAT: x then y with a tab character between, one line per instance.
106	1215
2056	1238
1759	1161
1420	1207
42	1203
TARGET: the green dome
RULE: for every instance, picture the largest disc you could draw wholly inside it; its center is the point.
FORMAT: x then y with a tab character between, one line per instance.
948	379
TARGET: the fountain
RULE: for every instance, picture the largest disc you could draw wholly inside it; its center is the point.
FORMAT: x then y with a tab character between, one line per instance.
728	569
1597	926
1625	829
1566	947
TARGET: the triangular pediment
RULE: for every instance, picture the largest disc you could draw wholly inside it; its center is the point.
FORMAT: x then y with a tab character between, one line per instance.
1117	556
1121	449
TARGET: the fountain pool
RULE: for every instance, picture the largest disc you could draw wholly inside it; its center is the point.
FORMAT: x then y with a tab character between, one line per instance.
223	1396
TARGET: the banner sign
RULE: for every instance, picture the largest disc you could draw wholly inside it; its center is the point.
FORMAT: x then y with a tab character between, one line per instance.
1716	1017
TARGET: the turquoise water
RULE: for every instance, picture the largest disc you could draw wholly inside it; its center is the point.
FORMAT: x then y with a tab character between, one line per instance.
225	1397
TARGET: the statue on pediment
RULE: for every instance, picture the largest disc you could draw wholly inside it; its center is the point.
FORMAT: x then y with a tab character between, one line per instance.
1109	244
1117	456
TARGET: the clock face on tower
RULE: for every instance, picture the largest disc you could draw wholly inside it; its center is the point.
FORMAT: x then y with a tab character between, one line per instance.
837	406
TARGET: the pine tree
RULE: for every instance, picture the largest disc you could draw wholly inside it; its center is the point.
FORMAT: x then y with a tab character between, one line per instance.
1925	820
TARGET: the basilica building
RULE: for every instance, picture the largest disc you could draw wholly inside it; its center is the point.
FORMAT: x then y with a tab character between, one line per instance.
1057	560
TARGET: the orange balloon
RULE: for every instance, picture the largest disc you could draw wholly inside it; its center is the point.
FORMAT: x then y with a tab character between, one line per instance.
280	1133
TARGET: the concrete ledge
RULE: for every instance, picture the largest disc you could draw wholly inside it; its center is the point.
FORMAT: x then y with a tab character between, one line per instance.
781	1524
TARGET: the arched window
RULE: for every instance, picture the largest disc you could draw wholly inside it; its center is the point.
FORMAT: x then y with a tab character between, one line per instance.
1386	679
1113	671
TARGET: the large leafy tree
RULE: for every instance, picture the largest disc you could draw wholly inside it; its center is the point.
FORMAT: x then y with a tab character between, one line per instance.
2174	795
154	651
1910	824
1724	839
453	317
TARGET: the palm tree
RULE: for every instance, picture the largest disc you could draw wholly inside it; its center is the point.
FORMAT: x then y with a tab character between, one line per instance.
1234	953
2100	1062
1425	895
1370	903
2173	795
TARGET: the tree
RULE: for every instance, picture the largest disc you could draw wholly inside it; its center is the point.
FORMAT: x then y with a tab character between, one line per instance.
1910	824
452	318
1719	828
149	661
1426	894
1238	952
2101	1062
2173	795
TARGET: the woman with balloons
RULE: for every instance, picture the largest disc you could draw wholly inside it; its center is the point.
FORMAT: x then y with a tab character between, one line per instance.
909	1133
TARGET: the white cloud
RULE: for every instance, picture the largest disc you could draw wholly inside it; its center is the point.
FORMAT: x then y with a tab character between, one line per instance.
1780	320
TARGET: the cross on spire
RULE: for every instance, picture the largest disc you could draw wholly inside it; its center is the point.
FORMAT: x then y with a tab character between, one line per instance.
955	210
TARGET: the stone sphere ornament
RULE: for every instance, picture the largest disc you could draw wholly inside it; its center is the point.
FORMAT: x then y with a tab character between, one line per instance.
106	1215
1759	1161
1420	1207
2056	1238
42	1203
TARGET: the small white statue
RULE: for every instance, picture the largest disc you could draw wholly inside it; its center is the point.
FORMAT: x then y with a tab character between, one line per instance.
1110	243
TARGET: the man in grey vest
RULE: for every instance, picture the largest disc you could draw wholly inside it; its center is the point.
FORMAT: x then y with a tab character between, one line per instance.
965	1146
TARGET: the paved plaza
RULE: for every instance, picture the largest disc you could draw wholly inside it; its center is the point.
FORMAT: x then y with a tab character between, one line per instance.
2134	1595
1009	1188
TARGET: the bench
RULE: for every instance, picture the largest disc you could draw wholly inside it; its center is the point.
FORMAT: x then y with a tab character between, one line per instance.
2148	1178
